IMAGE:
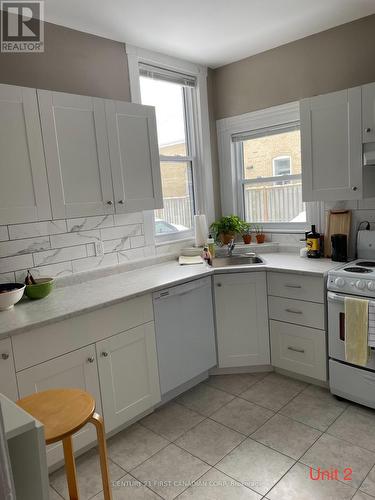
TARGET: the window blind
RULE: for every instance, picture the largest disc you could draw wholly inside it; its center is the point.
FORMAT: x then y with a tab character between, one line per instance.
262	132
166	75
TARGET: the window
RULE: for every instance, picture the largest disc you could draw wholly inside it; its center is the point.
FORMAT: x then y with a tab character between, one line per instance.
270	190
173	96
282	165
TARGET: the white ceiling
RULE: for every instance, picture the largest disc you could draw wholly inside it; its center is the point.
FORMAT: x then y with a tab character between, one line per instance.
212	32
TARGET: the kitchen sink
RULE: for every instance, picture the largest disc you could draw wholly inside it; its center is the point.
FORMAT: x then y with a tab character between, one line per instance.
236	260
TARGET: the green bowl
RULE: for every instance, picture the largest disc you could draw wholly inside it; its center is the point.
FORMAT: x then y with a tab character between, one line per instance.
41	289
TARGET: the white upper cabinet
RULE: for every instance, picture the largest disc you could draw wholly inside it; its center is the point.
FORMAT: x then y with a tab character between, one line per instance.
76	148
23	180
368	113
242	319
332	146
134	156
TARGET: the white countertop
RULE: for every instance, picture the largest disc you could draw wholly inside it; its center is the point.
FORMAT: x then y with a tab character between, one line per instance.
76	299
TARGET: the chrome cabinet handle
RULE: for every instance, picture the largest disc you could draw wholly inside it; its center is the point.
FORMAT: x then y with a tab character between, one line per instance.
104	354
121	202
219	285
354	188
367	130
294	349
294	311
293	286
5	356
109	202
90	359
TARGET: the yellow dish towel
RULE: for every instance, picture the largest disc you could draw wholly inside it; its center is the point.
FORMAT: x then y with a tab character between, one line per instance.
356	331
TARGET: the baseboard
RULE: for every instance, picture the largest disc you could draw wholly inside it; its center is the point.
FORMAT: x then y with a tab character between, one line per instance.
303	378
241	369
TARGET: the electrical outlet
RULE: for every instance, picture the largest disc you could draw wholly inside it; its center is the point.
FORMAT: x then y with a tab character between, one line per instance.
99	249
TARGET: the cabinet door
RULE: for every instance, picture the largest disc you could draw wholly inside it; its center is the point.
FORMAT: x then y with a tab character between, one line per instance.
242	319
368	113
8	384
134	155
77	369
76	148
332	146
128	373
23	180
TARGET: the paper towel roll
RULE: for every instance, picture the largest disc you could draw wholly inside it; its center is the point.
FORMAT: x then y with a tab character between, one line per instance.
200	226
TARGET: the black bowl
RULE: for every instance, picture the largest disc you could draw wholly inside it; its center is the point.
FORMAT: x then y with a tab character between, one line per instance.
8	287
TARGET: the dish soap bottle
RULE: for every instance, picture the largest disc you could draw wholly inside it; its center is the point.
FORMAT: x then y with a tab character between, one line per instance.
313	243
211	246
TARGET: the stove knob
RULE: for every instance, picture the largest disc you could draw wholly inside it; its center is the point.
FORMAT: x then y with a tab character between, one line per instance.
371	285
360	284
340	282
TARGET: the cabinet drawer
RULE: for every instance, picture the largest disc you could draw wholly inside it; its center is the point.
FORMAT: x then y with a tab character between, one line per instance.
296	286
297	311
41	344
299	349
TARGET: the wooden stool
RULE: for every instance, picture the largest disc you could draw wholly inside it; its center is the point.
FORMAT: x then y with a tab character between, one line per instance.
64	412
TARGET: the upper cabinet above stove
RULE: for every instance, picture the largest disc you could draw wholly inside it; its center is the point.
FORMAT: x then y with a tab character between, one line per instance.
333	129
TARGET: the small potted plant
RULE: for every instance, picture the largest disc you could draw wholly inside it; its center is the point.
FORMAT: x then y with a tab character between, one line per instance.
246	232
226	228
259	234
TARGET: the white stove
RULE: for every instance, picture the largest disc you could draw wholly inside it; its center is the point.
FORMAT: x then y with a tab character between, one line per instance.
356	278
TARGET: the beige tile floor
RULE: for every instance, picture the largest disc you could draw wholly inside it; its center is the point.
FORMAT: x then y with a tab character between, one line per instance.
238	437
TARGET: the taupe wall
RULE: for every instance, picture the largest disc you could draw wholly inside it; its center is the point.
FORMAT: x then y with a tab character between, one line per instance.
73	62
339	58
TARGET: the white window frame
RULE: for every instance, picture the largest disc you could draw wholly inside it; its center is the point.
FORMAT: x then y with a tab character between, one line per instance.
281	157
231	187
202	165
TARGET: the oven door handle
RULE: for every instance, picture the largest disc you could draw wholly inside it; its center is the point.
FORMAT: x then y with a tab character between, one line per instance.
334	297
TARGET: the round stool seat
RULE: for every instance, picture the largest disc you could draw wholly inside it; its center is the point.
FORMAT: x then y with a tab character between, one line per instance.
62	411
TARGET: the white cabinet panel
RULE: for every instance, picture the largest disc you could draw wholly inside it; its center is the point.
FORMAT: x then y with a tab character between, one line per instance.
134	156
299	312
55	339
128	373
332	147
76	148
77	369
242	319
8	384
296	286
368	112
299	349
23	180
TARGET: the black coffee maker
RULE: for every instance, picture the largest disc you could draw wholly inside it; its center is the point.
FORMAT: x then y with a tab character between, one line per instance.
339	244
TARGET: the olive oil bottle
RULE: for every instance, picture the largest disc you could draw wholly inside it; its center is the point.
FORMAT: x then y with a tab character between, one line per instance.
313	243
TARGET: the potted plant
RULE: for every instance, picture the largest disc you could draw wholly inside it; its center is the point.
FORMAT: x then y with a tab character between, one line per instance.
226	228
246	232
259	234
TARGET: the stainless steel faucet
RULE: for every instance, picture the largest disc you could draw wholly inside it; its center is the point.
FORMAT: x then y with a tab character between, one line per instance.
231	246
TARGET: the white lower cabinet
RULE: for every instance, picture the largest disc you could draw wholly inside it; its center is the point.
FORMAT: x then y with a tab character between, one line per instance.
128	371
8	384
299	349
242	319
77	369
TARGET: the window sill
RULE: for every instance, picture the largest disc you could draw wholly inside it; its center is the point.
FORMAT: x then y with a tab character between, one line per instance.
171	241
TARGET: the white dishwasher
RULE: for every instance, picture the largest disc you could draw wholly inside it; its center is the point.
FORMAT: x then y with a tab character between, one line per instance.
185	335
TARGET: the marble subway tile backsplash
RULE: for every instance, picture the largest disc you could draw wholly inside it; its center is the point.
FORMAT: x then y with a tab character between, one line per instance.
64	247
